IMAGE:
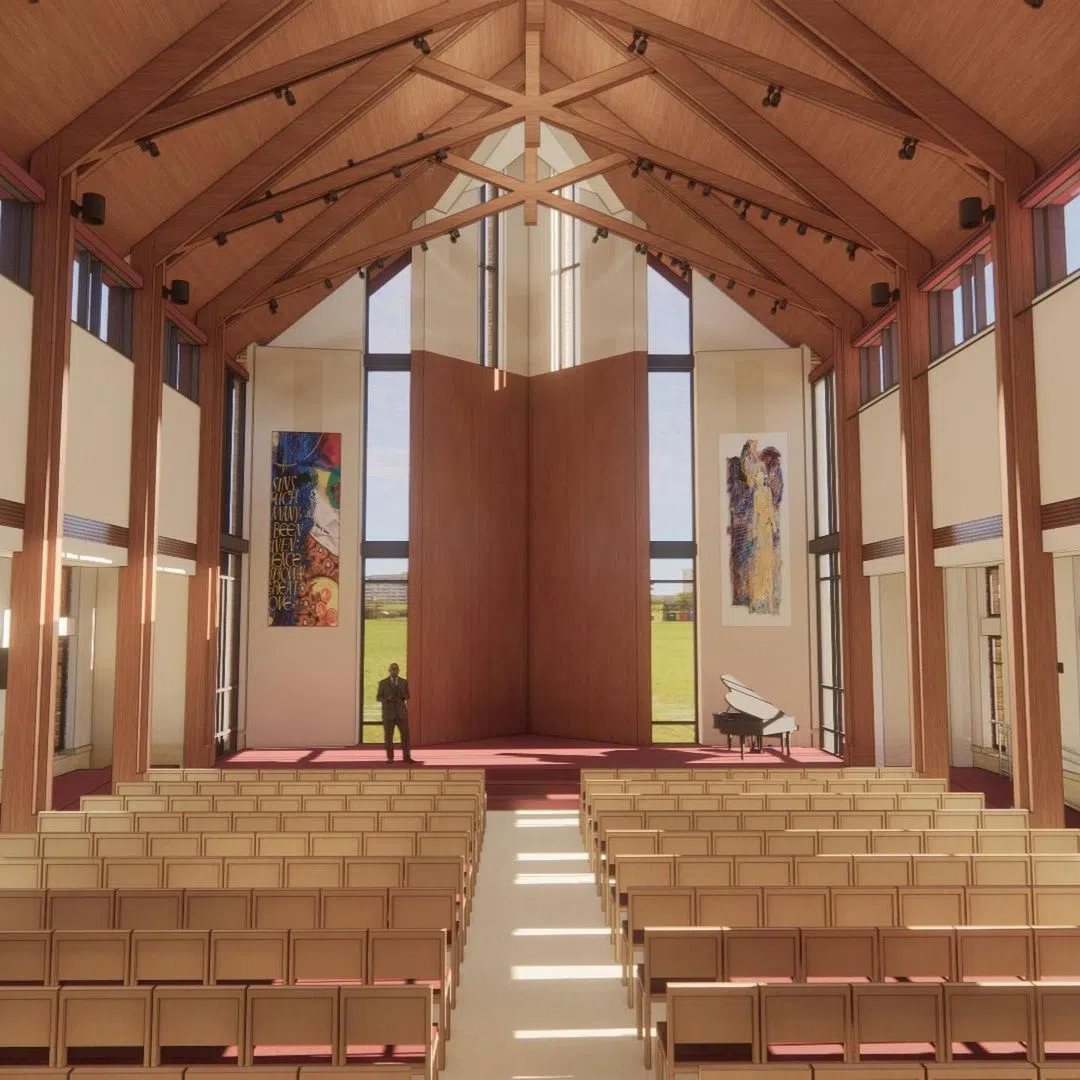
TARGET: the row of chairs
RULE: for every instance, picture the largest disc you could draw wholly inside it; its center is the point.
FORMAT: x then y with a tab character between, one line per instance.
299	787
849	842
383	1071
718	772
853	1022
942	954
423	772
276	804
168	1024
954	1070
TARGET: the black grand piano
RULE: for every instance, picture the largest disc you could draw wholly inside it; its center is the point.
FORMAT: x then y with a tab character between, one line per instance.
751	718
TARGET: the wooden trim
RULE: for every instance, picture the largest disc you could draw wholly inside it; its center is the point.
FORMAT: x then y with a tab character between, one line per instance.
388	273
12	514
15	176
968	532
176	549
237	368
939	274
821	369
95	532
86	237
883	549
1060	515
657	263
1058	184
875	326
235	545
824	545
183	321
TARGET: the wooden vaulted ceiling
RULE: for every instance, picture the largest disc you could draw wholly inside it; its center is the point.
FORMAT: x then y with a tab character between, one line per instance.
986	88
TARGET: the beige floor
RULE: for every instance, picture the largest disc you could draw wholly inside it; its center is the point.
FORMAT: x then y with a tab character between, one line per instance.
540	997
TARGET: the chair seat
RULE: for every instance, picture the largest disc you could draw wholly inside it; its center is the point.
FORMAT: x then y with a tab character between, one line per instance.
691	1053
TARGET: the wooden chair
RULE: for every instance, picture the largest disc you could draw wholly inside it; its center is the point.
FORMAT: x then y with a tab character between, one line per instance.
728	907
848	954
197	1022
328	956
918	953
706	1023
216	910
806	1021
761	955
246	957
148	909
24	958
887	1016
22	909
994	953
160	957
79	909
1057	1009
86	957
990	1014
97	1019
28	1018
650	907
285	909
389	1025
1057	953
299	1018
354	909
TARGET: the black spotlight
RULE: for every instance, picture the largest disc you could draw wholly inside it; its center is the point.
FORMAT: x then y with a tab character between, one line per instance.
378	264
827	238
221	239
273	306
882	294
852	248
691	184
639	44
712	278
1035	4
641	249
330	197
148	146
423	245
360	273
286	93
601	234
279	217
91	210
441	155
667	174
972	214
327	283
802	228
783	219
421	43
771	100
765	212
396	170
179	292
731	283
751	292
455	235
707	190
907	151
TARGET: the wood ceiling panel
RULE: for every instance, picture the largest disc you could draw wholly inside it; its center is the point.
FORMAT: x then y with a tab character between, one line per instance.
1018	67
743	23
570	47
321	23
57	59
144	191
920	195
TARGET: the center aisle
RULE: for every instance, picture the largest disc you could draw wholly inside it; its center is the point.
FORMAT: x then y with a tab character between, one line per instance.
540	996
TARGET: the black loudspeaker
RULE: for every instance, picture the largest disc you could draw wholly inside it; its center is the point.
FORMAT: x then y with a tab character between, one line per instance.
881	294
971	212
93	208
180	292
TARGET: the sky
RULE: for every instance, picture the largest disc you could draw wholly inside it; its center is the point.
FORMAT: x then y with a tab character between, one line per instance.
670	432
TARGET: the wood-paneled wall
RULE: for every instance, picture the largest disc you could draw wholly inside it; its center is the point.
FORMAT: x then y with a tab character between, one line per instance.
589	643
468	602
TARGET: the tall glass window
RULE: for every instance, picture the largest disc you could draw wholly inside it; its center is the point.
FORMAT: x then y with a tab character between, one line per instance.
1057	242
181	368
878	367
490	239
101	303
825	551
672	549
963	306
385	548
16	228
565	286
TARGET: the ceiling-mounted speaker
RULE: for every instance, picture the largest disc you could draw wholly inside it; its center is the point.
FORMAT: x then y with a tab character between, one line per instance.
180	292
882	294
93	208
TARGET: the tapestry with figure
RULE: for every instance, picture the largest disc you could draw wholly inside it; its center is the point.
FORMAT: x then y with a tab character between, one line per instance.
305	528
756	562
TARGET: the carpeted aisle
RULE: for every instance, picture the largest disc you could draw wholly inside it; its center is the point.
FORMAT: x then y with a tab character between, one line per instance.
540	995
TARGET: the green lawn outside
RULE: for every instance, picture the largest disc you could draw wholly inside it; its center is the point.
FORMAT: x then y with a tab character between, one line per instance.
384	643
673	682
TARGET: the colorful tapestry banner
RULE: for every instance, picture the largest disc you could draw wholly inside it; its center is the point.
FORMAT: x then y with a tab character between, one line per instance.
305	528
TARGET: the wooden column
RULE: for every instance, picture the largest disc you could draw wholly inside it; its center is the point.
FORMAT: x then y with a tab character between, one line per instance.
203	587
135	602
925	585
1030	633
35	571
855	627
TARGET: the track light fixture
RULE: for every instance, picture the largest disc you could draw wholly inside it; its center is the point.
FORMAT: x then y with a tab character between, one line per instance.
907	151
378	264
360	273
852	248
91	210
179	292
775	307
784	219
331	197
712	278
396	170
827	238
423	245
972	214
641	249
1033	4
731	283
882	294
765	212
743	212
601	234
639	44
691	184
771	100
327	283
707	190
420	42
802	228
221	239
273	305
286	93
148	146
441	155
455	235
668	174
751	293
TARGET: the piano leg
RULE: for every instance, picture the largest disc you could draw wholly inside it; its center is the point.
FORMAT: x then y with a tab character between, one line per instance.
742	744
729	742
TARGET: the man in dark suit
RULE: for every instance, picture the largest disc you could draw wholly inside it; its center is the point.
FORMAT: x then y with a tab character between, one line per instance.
394	696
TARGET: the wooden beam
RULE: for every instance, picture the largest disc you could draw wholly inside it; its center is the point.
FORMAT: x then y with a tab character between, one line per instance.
30	712
194	55
373	82
1028	602
830	22
563	179
927	650
535	17
400	31
786	159
135	600
691	42
202	626
855	625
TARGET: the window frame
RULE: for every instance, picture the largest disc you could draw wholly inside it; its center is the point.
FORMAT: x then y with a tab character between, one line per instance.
969	273
97	287
560	242
16	237
489	269
180	371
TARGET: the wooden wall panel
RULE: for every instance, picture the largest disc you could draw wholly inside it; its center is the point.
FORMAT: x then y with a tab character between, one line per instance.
589	673
467	653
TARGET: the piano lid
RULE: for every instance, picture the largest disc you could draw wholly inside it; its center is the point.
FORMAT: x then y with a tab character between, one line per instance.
750	704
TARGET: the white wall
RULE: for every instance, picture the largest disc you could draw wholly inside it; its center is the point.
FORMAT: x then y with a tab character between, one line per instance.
1067	608
446	292
301	684
893	693
98	458
178	473
964	662
16	319
5	606
964	457
334	323
1057	385
742	392
104	677
881	469
719	323
169	672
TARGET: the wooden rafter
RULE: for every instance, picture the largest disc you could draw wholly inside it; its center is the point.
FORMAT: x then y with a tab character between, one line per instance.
408	153
887	117
195	55
439	16
786	159
535	14
373	82
827	24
